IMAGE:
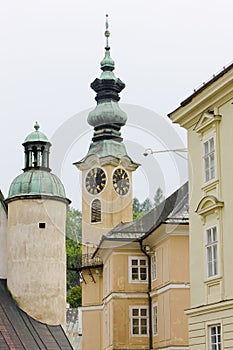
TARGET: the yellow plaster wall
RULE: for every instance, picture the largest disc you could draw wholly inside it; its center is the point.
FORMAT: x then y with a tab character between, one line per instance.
115	208
92	290
92	321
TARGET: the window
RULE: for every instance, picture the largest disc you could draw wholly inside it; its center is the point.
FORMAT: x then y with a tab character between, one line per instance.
209	160
155	319
153	266
215	337
42	224
139	320
212	251
96	211
138	269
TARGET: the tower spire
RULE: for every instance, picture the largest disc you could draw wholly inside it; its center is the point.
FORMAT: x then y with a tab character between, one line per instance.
107	64
107	34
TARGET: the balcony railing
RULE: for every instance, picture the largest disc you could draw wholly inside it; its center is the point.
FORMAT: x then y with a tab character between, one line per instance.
80	262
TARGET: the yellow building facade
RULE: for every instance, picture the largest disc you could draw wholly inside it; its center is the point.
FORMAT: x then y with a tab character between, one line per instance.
137	298
207	116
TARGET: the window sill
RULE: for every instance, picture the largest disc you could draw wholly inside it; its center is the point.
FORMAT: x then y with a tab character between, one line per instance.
213	280
139	282
210	185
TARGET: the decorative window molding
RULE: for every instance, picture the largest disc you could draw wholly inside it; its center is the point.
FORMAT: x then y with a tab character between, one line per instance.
207	120
96	211
209	205
139	320
138	270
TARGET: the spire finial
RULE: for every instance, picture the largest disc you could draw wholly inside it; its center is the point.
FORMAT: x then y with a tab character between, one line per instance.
107	33
36	126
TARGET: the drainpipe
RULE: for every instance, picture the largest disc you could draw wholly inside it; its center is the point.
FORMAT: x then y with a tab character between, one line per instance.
149	296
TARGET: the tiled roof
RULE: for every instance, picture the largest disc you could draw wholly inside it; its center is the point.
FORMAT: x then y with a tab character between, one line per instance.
22	332
2	201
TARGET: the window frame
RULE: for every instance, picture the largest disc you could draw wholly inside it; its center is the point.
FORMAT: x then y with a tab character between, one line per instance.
155	318
208	155
217	334
212	271
139	318
138	267
154	266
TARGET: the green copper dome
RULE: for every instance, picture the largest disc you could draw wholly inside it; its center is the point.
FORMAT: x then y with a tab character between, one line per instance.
107	113
36	179
34	182
36	135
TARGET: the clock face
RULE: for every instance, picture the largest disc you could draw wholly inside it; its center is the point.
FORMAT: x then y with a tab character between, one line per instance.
120	181
95	180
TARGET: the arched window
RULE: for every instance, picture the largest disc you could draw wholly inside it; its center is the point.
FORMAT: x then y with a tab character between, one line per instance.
96	211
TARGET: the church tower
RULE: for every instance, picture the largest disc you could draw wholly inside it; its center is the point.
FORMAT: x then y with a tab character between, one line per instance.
107	168
36	268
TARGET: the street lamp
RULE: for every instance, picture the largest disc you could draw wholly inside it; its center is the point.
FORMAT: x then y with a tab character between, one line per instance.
177	151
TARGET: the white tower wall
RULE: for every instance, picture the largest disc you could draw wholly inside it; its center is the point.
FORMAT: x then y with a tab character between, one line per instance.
36	274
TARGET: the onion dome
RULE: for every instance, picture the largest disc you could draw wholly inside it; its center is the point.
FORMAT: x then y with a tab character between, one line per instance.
36	178
107	112
107	118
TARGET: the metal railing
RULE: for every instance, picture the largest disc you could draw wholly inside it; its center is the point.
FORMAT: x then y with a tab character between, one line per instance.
82	261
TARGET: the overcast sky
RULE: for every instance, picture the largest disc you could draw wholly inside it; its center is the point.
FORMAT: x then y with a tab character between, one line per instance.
50	52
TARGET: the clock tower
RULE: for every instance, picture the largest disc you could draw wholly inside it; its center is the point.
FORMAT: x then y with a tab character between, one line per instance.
107	168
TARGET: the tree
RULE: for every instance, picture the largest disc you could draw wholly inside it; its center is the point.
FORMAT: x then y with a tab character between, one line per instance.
158	197
74	224
74	297
139	209
73	246
137	212
146	205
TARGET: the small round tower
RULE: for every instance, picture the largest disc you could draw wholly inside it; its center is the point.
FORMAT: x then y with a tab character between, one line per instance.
36	268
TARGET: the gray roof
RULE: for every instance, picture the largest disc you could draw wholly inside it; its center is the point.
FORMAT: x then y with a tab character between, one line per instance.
173	210
22	332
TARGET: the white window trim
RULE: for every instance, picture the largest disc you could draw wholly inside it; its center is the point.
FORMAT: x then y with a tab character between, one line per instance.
208	327
138	257
131	320
218	253
206	139
155	265
153	306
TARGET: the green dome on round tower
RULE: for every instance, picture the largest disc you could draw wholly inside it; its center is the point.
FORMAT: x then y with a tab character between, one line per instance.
36	135
36	182
37	179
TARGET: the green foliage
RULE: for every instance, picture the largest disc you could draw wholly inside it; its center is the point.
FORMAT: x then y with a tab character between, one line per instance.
139	209
73	245
74	224
146	205
74	297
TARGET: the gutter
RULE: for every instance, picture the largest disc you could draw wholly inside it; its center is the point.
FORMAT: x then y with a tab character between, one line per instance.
149	296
